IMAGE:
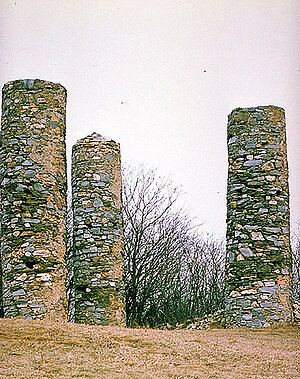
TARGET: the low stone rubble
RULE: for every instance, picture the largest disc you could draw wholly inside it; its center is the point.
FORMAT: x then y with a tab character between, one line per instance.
213	321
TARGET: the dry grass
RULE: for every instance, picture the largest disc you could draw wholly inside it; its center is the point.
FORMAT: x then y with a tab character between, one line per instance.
30	349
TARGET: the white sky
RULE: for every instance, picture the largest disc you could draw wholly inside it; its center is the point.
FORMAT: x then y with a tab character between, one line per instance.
161	76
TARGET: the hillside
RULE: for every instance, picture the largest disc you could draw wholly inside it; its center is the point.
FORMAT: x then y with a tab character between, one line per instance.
57	350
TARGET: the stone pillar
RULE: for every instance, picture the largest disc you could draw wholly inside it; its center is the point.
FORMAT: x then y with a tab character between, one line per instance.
33	199
96	294
1	212
258	261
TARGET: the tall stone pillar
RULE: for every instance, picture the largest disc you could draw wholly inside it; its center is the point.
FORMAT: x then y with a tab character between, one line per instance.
96	261
1	212
258	266
33	199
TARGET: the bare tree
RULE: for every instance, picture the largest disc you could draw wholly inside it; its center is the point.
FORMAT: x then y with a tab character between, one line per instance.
296	264
149	224
206	275
171	272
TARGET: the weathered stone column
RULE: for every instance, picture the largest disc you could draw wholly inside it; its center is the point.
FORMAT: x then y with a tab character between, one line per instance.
33	199
96	293
258	232
1	212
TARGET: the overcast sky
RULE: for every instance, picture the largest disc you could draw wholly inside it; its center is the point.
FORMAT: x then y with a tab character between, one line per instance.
161	76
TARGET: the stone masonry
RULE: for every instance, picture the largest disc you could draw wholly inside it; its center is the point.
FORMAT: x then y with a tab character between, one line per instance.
33	199
258	257
95	292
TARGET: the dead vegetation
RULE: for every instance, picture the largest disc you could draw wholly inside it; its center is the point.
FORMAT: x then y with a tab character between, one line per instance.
32	349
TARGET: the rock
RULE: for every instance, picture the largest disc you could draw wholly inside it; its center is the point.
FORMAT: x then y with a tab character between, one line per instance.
257	236
253	163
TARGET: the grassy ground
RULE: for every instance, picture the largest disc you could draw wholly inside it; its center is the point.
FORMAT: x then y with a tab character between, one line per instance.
30	349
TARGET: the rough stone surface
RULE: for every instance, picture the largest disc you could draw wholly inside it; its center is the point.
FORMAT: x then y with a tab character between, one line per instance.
258	267
212	321
33	199
95	285
296	310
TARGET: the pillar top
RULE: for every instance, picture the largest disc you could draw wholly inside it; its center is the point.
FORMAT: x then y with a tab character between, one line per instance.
242	116
94	137
255	109
31	84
